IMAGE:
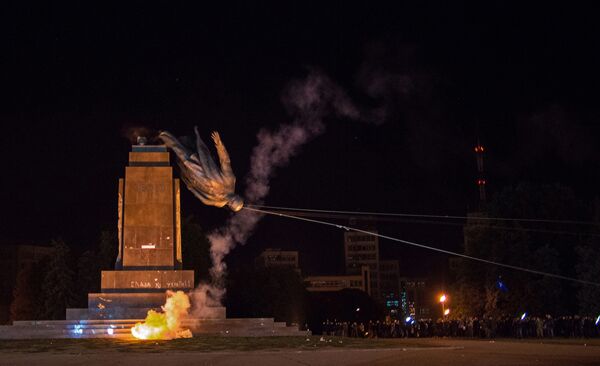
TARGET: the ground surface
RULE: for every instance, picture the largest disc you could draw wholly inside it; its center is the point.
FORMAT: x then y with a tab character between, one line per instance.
299	351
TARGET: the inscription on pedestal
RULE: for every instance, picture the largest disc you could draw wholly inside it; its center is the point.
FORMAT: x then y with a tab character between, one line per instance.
155	280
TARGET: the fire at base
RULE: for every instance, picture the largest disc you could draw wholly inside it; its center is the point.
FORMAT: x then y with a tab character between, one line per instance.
167	324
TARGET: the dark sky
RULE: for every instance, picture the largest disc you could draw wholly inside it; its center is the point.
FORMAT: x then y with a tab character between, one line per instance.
522	79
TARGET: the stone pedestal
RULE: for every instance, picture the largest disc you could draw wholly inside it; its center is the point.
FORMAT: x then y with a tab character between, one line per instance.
149	232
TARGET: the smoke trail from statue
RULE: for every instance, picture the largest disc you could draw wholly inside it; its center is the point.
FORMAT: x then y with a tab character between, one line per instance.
309	101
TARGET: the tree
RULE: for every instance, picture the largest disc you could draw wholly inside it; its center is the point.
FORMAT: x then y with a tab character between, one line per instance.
27	299
91	263
195	249
107	249
88	276
588	269
58	284
545	292
539	246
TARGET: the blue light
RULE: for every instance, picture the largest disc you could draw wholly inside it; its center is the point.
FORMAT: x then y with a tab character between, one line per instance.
501	285
524	315
598	320
77	329
408	319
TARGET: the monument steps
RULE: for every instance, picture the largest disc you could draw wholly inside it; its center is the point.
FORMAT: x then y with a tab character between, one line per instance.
121	328
72	322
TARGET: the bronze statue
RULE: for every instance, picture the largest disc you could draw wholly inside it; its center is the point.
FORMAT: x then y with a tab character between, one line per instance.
214	186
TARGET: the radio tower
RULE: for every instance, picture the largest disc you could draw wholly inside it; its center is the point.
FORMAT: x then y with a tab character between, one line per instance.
479	151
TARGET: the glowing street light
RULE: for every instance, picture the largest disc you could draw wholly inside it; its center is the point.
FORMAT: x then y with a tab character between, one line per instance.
443	299
446	312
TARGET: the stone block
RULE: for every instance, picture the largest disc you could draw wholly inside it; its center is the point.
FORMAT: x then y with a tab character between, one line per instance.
135	300
130	306
149	157
147	281
149	217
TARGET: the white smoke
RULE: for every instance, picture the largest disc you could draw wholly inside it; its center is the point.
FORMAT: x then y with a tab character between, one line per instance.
309	101
205	299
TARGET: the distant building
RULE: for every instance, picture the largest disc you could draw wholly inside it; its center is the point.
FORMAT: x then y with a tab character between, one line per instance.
363	250
336	283
277	258
415	298
14	258
389	285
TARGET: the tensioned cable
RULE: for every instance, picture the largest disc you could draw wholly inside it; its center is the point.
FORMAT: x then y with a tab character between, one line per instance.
348	228
455	217
404	220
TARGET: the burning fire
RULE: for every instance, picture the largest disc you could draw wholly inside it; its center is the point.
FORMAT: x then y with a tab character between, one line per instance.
165	324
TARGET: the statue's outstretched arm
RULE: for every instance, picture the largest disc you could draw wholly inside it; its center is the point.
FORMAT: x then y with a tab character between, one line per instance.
174	144
223	156
204	156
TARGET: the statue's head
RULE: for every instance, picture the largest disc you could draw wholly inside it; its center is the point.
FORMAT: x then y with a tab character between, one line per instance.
142	140
235	203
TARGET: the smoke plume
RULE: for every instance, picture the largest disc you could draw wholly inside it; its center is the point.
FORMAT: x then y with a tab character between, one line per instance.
309	102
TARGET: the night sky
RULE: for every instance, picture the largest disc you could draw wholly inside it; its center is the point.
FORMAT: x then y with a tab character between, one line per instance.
524	80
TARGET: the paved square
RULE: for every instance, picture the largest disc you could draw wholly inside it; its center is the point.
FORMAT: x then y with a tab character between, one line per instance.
401	352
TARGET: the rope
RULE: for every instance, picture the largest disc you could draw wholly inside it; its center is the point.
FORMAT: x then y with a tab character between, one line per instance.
455	217
348	228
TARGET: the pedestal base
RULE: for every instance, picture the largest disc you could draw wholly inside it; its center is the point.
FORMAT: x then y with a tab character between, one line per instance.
129	306
121	328
129	294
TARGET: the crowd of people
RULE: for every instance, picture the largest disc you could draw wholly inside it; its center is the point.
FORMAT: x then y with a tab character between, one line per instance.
486	327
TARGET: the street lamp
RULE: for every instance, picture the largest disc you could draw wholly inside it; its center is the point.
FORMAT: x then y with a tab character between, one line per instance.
443	299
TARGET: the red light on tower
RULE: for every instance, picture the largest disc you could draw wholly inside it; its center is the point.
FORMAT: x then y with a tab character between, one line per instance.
479	150
481	184
479	155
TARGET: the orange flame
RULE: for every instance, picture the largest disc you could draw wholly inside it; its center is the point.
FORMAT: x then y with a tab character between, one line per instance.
166	324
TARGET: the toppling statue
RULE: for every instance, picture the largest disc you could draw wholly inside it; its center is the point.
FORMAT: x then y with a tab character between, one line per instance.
214	186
